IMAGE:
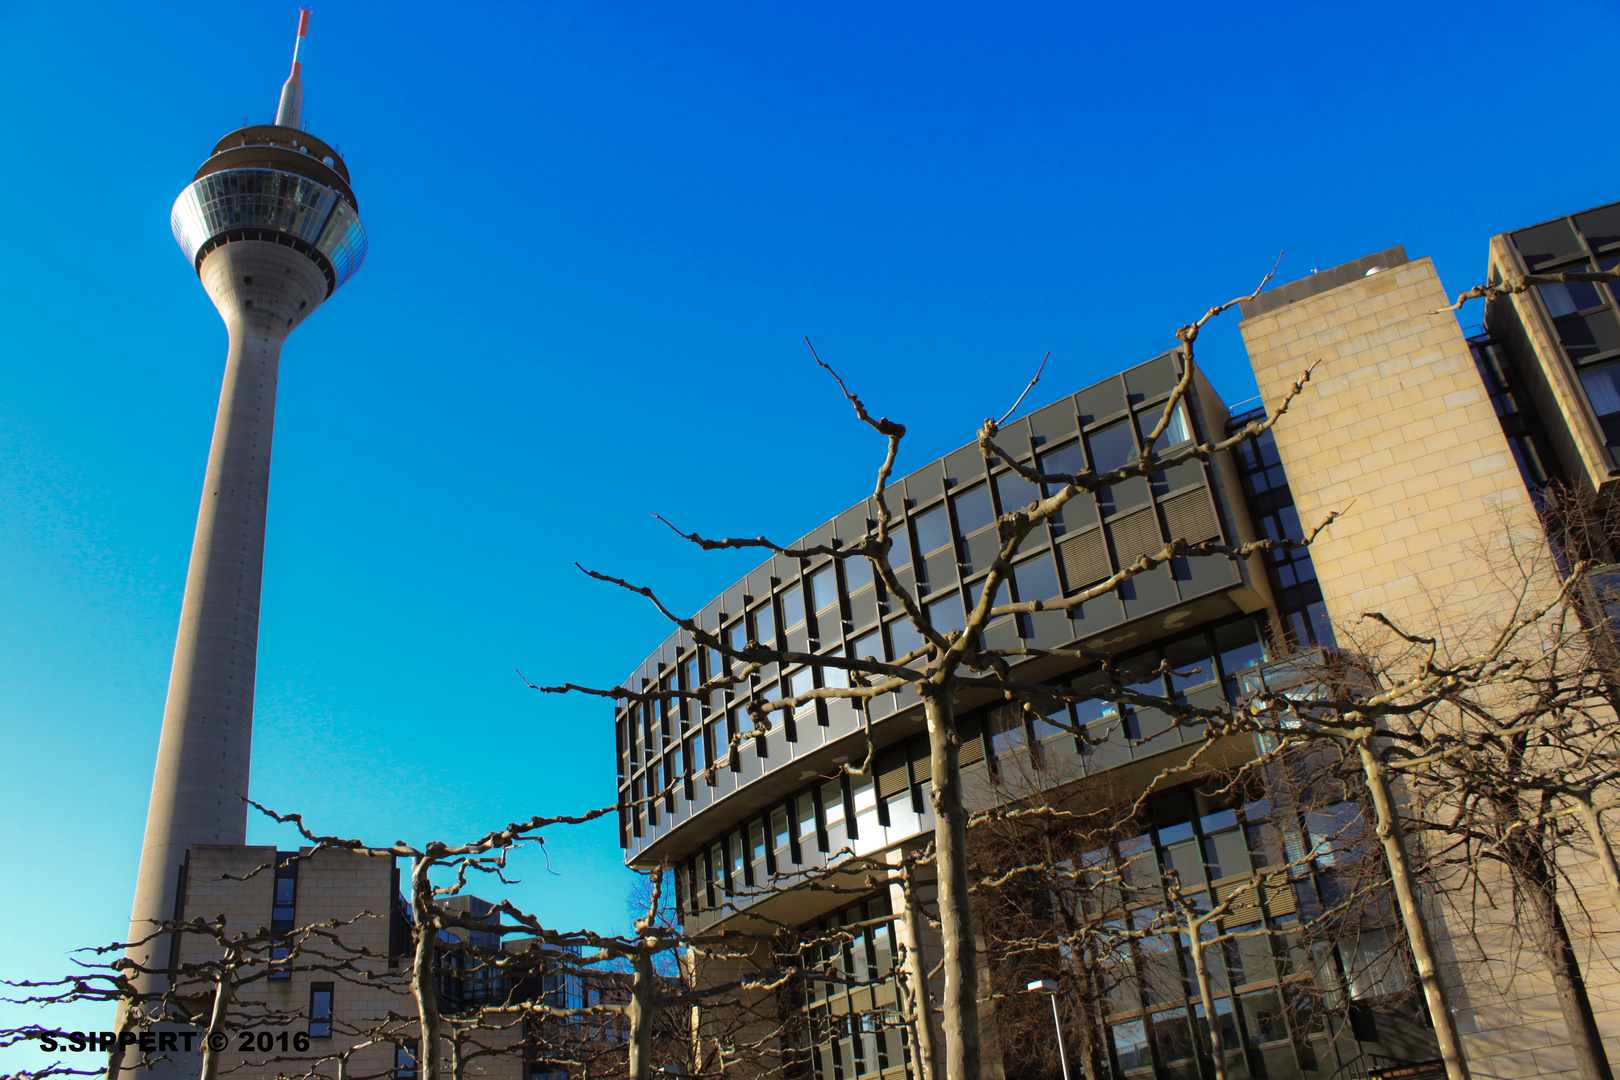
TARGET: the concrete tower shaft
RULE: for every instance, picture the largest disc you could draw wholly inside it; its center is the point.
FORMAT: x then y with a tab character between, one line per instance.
262	290
272	227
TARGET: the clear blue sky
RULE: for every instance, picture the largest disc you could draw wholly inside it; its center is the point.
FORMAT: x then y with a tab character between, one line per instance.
598	235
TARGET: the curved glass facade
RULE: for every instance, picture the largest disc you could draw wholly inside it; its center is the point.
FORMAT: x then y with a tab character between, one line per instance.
275	201
689	768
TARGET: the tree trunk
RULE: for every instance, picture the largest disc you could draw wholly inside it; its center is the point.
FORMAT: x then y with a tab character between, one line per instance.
1391	836
1091	1050
1535	884
115	1057
916	977
642	988
216	1018
1600	844
961	1004
422	970
1207	996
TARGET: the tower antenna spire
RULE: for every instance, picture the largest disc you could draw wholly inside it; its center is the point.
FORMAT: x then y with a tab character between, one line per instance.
291	112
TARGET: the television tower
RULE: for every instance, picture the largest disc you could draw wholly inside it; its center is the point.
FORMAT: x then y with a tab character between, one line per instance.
271	226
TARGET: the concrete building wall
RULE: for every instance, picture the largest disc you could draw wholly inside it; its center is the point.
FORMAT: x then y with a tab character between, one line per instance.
353	891
1397	432
352	895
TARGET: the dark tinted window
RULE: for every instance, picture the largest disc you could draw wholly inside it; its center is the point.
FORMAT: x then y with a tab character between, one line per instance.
1112	446
1037	579
973	509
857	572
792	607
1015	492
1568	297
945	614
823	588
933	529
1067	460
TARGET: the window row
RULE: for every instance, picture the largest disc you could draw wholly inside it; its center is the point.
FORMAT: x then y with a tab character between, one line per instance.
827	602
1204	668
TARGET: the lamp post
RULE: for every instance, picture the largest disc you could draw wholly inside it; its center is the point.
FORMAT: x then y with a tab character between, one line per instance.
1049	987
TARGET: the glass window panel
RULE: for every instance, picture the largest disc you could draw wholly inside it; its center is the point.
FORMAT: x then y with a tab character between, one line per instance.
832	810
1226	853
1176	432
857	573
1184	859
285	890
1007	731
835	676
765	626
792	606
1131	1046
899	545
933	529
864	795
1603	388
1375	967
824	589
1048	726
1263	1017
1037	579
779	828
945	614
804	809
1190	662
905	636
1588	335
1248	955
1015	492
1112	446
869	645
1172	1037
1566	298
1239	647
737	636
973	509
1067	460
1137	861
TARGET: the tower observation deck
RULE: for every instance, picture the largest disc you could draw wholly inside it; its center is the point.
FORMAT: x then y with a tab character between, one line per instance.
272	227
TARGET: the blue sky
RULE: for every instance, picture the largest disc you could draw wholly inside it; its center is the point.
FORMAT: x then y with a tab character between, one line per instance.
599	234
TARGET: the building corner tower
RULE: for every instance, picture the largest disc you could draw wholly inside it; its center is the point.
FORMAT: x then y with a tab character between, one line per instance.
272	228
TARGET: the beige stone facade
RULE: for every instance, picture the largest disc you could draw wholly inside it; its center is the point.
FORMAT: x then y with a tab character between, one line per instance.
1437	531
343	905
1398	434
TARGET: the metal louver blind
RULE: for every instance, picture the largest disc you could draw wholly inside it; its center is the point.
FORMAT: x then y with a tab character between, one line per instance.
1085	559
1134	535
922	768
1279	899
893	781
971	752
1190	516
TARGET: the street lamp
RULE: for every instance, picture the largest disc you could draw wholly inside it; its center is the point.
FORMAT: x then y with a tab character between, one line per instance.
1049	986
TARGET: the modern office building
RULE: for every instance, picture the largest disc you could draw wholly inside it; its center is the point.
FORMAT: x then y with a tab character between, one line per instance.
1434	443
